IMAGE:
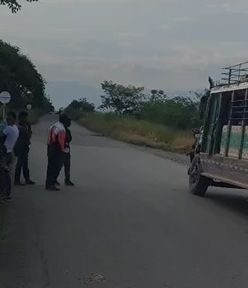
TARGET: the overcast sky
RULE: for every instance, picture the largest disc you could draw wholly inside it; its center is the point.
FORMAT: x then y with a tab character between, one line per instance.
168	44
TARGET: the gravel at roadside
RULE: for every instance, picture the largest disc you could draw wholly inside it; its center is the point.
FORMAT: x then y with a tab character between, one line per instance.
176	157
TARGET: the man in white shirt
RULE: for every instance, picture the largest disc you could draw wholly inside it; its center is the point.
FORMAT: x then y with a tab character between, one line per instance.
10	135
11	132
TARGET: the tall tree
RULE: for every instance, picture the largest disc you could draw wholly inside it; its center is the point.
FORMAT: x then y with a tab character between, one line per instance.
121	99
158	96
20	77
14	5
79	108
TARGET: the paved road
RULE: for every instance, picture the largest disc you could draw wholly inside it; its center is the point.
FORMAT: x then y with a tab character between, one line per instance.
129	219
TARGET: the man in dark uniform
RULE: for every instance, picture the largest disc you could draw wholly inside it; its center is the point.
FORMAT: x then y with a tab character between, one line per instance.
22	150
67	155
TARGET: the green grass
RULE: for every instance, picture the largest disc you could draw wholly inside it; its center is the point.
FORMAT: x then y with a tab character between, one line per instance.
138	132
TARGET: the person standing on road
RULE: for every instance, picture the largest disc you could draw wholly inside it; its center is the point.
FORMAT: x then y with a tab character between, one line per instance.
9	135
22	148
55	152
67	155
2	159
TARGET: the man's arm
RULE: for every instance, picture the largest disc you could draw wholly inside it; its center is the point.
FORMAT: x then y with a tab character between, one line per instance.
5	131
61	140
3	134
69	135
29	130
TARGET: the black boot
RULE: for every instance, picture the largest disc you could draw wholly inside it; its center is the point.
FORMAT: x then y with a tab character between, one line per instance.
30	182
69	183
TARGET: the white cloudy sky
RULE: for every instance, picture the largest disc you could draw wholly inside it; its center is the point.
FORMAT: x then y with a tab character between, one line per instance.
168	44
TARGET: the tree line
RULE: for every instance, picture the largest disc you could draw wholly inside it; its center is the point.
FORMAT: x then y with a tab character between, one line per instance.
155	106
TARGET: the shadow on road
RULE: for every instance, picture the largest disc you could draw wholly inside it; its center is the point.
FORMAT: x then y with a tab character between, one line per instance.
3	220
234	201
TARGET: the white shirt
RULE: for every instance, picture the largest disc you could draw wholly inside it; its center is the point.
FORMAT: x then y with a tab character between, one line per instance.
12	134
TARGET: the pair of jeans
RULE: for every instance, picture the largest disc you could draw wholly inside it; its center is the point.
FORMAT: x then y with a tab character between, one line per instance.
22	166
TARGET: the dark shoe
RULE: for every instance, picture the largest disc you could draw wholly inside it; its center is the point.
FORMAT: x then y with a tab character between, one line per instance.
8	199
52	188
2	202
18	183
57	183
69	183
30	182
2	199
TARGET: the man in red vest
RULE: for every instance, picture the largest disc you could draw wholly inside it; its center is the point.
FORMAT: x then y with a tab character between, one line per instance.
56	151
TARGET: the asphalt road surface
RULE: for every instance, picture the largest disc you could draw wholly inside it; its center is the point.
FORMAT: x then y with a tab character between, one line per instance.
128	223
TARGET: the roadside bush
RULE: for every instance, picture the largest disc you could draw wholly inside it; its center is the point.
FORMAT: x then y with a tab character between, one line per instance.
139	132
79	108
172	113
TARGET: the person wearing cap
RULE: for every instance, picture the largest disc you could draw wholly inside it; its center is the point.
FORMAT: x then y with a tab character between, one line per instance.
55	151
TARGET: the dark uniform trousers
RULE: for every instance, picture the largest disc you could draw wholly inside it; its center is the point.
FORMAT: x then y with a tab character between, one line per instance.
67	166
5	174
55	164
22	165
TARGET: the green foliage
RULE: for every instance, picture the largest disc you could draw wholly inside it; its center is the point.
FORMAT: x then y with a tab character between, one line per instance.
158	96
14	5
47	105
139	132
79	108
130	102
20	77
203	103
178	112
122	100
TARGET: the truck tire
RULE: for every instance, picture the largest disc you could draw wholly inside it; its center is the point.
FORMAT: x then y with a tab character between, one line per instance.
198	184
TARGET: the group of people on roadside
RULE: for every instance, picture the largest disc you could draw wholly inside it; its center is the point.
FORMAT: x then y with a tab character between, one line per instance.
15	140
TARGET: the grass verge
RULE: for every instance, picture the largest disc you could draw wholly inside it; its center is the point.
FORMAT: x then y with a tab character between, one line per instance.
139	132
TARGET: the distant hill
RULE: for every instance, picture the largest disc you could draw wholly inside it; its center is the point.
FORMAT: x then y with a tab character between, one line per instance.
62	93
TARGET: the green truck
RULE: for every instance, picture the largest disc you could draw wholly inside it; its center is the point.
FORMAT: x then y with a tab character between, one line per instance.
221	157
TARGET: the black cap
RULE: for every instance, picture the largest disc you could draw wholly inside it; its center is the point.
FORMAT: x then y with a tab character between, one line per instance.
63	118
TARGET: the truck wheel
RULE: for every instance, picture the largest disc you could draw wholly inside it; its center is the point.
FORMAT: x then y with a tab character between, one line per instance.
198	184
